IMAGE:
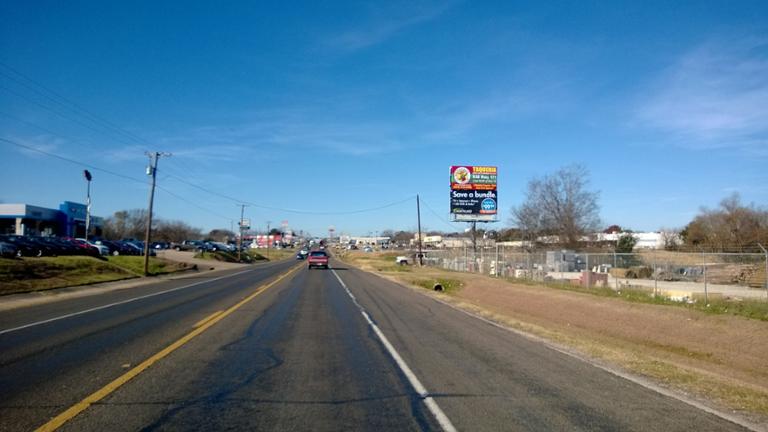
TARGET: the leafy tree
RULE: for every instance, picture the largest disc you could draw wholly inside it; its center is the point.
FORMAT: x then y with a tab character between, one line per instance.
626	243
559	204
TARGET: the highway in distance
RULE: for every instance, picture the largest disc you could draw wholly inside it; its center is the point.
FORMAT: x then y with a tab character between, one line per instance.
280	347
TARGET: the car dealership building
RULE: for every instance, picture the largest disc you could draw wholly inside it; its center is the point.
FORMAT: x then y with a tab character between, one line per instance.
66	221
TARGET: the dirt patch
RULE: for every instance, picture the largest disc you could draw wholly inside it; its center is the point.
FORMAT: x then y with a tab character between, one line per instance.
717	358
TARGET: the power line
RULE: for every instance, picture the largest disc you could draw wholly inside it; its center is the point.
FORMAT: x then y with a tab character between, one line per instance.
65	116
66	159
307	212
95	168
67	103
453	228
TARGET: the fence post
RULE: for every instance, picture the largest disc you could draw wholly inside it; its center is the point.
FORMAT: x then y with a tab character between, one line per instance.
615	272
655	277
706	296
481	267
496	267
766	267
586	263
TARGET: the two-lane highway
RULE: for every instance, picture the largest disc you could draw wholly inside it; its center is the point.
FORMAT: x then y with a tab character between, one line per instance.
317	350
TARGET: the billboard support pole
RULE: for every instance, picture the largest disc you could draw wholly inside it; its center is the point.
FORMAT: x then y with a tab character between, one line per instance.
418	223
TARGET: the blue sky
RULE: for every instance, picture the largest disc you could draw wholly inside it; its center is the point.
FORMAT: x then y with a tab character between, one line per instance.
334	106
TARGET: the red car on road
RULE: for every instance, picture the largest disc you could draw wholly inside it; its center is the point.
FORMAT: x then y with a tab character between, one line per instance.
318	259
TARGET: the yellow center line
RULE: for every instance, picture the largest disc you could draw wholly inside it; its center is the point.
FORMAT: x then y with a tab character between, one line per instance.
206	319
105	391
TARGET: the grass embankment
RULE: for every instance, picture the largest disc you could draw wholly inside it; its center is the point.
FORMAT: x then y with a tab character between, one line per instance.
38	274
230	257
248	256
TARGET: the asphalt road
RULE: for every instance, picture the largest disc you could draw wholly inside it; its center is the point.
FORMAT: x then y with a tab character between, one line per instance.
317	350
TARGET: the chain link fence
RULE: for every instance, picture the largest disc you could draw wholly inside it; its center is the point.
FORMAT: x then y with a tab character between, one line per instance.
672	274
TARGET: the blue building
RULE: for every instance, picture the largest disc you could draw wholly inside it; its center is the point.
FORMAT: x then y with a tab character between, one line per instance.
67	221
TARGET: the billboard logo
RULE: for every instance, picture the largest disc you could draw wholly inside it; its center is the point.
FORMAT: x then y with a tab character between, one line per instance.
488	206
462	175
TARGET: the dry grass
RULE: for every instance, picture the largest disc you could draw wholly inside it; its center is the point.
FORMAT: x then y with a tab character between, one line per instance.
714	358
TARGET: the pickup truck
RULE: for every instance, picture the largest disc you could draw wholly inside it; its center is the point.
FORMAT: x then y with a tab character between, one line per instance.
318	259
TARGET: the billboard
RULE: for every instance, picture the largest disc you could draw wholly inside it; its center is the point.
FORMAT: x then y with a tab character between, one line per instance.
473	193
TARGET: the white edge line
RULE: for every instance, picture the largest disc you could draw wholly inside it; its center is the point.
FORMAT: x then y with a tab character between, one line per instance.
85	311
429	401
637	380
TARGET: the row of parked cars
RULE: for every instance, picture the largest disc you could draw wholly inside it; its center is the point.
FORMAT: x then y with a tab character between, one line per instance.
205	246
12	245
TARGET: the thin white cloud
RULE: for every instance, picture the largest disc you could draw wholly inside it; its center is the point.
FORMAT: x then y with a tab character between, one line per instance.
43	143
715	96
385	24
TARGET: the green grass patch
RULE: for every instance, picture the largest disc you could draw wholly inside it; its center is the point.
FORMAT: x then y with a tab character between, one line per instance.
156	266
248	256
37	274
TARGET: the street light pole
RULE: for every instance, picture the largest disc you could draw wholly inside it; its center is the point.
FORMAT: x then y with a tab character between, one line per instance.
151	171
88	178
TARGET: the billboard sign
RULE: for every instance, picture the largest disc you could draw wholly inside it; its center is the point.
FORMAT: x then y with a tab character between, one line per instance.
473	193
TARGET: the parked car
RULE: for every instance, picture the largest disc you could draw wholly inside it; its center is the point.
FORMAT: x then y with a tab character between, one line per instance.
25	246
189	245
100	248
116	247
8	250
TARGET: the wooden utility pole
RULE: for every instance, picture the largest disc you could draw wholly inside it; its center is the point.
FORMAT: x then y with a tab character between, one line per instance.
151	171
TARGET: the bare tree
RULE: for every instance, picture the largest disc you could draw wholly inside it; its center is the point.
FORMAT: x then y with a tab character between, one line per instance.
559	204
221	235
176	231
731	226
125	224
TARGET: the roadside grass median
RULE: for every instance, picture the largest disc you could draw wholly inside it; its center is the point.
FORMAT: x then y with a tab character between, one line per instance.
40	274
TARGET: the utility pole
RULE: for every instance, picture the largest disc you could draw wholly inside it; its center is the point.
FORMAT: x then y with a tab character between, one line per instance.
88	178
418	222
268	222
151	171
240	238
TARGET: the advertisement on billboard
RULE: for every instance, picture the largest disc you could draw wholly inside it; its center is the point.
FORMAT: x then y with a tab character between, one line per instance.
473	193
